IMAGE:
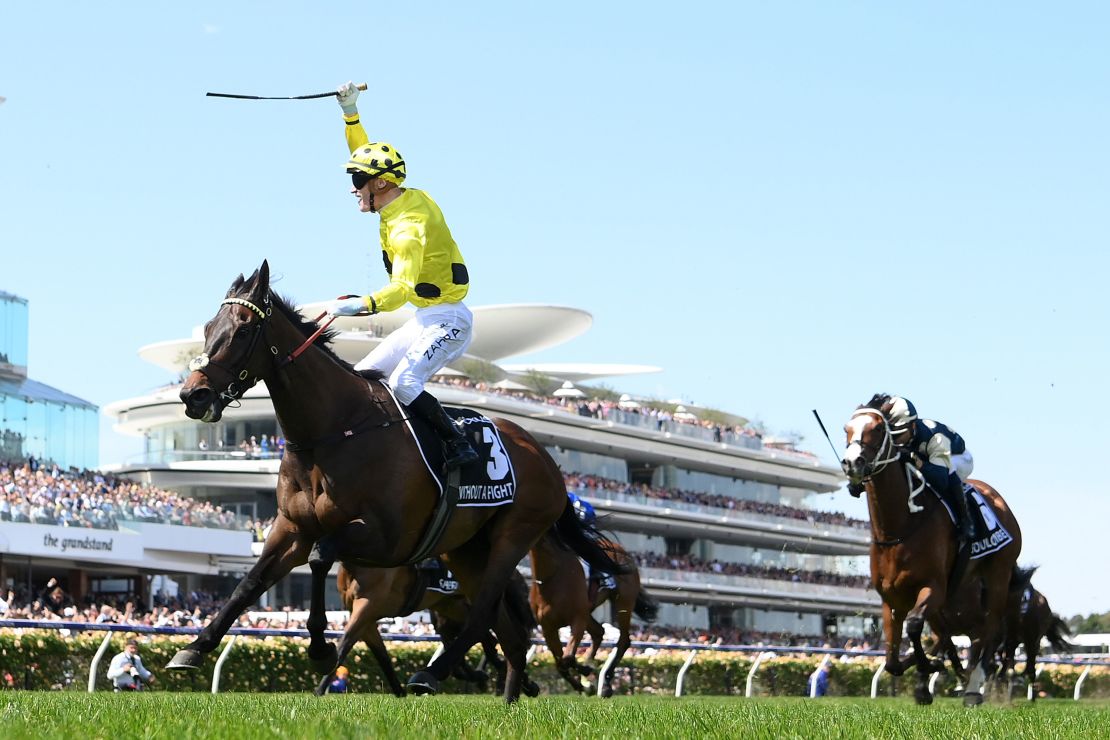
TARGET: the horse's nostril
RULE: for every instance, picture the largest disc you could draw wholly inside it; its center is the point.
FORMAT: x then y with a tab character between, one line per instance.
197	397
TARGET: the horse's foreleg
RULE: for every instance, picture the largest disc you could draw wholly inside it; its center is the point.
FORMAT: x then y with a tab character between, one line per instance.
499	567
915	625
597	634
624	622
892	630
321	652
283	551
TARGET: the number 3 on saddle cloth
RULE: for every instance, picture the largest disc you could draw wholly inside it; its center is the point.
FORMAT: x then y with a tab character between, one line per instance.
489	481
988	534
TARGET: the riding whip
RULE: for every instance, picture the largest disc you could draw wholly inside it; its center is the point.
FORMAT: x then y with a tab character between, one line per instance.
332	94
835	453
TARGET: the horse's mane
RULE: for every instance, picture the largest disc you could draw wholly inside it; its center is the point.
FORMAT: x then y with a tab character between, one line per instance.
307	327
877	401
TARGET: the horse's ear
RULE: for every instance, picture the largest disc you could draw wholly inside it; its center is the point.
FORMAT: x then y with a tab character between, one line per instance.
236	284
263	284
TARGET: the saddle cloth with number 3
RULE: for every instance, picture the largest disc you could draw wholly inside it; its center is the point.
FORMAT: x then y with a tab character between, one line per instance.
491	480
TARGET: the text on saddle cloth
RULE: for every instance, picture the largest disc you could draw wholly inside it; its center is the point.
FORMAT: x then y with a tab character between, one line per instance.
988	534
440	578
489	481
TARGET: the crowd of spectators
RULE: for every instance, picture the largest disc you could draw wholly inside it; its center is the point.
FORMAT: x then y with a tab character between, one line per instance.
587	485
720	635
197	608
659	417
690	563
39	494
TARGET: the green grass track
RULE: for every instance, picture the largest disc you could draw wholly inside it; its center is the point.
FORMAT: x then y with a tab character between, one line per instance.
171	715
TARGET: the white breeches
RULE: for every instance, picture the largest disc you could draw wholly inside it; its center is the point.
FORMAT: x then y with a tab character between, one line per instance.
962	464
435	336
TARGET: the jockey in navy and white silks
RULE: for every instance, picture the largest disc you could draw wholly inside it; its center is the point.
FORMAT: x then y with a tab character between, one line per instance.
939	453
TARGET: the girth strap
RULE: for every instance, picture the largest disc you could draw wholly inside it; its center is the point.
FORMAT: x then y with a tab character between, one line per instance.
440	517
416	593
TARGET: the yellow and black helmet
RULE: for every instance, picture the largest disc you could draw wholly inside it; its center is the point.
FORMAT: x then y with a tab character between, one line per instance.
378	159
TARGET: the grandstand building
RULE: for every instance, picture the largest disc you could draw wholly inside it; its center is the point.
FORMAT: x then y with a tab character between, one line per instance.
37	420
726	525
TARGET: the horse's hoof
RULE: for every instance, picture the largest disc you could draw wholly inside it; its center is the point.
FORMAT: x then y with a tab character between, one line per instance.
606	691
423	683
973	700
922	696
322	687
327	662
530	688
186	660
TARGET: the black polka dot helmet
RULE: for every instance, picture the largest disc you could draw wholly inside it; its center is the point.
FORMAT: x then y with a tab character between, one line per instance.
378	159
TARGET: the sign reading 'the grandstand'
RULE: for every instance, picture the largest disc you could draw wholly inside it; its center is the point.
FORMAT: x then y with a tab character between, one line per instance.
77	543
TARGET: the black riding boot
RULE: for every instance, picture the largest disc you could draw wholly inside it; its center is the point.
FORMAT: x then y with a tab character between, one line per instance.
958	501
459	451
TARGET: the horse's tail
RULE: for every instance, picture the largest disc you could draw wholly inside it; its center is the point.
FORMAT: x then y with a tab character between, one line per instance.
516	601
646	607
1057	634
585	540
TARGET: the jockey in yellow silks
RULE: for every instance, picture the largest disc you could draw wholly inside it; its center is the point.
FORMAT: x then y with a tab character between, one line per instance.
425	269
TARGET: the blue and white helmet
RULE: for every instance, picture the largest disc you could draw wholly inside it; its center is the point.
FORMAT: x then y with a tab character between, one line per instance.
902	414
582	508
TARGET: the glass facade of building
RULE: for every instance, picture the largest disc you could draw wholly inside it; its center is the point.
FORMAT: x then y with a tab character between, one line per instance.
35	419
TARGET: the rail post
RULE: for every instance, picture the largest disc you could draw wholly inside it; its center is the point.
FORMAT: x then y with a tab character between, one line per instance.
682	673
220	663
748	685
1079	683
96	661
605	670
875	681
1030	688
438	652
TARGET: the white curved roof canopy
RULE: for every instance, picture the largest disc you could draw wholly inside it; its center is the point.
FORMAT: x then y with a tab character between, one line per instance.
499	332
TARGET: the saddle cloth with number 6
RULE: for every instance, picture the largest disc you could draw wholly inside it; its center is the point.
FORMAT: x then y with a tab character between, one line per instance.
491	480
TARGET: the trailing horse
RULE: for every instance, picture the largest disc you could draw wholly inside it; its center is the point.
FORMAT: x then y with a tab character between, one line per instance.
353	486
561	597
914	551
371	594
1029	620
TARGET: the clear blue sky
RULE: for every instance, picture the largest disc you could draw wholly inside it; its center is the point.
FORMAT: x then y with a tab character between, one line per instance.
787	206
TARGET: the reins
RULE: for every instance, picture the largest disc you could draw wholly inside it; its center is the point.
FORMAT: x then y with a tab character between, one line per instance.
235	388
889	452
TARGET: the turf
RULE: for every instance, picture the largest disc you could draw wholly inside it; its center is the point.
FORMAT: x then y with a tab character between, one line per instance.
166	715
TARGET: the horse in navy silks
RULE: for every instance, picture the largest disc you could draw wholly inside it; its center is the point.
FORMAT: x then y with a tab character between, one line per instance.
914	551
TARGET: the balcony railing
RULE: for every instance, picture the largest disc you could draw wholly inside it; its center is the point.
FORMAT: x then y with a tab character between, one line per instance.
768	586
737	515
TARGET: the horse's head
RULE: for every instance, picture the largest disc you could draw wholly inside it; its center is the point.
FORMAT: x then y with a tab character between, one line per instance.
870	441
230	363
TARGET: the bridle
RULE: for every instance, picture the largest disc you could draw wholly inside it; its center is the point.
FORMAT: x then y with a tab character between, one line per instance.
237	386
887	453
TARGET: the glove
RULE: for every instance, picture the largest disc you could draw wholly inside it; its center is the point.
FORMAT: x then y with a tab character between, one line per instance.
347	95
348	307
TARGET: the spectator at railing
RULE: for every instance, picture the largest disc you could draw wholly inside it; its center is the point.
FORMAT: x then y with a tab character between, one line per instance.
751	570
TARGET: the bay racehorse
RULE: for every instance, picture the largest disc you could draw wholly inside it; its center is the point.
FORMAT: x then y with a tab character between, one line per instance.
562	597
913	551
1029	620
352	484
371	594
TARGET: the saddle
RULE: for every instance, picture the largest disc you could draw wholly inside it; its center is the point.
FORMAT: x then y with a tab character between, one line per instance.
988	535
